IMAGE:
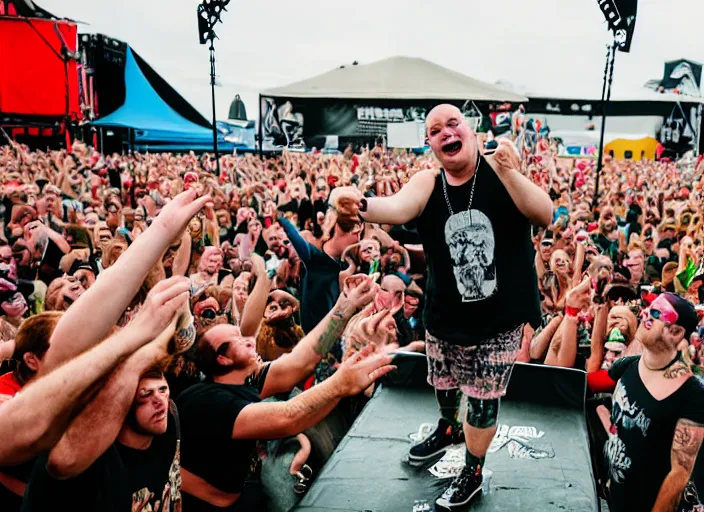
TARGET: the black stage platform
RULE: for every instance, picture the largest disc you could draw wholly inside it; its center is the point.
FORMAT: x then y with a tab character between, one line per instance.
531	472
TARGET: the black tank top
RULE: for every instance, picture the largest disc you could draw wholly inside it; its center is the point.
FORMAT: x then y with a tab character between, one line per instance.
481	263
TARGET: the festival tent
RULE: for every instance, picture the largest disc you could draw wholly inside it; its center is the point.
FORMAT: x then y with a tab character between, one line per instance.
153	123
358	101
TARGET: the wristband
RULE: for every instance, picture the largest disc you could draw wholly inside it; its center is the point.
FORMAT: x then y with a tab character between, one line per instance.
571	312
363	205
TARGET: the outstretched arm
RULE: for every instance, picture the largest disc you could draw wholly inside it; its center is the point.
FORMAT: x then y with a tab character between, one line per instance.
685	447
183	256
275	420
300	245
28	430
596	356
399	208
289	369
539	344
95	429
80	328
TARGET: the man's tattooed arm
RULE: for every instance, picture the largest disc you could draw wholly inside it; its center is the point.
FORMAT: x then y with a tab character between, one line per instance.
337	321
686	444
685	447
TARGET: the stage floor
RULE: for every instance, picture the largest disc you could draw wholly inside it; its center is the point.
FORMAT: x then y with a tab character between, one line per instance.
544	466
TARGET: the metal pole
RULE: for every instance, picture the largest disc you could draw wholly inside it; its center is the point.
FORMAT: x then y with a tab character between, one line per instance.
699	129
261	129
605	97
212	88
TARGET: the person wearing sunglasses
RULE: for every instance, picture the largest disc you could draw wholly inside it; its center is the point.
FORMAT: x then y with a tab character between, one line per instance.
223	417
656	424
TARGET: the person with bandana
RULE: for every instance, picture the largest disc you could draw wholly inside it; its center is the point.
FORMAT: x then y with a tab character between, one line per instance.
656	423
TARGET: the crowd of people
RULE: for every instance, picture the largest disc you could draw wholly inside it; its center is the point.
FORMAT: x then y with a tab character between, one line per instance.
171	336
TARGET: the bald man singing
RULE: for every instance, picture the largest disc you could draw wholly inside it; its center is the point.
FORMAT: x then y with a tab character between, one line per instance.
474	218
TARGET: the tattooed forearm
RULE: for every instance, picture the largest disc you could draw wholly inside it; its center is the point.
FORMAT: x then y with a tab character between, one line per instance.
333	331
184	338
686	443
311	406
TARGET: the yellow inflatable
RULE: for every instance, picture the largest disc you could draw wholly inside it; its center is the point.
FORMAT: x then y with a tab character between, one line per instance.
639	149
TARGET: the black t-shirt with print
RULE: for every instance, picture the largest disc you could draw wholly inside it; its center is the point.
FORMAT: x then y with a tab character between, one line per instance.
208	414
637	453
116	480
481	263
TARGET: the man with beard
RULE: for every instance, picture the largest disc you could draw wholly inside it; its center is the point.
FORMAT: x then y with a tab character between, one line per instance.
208	266
486	236
656	424
224	417
278	243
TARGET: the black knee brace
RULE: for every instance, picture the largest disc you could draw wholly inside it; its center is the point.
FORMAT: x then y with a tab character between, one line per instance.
449	402
482	413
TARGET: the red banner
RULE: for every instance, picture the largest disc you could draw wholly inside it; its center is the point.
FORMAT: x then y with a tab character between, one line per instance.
36	76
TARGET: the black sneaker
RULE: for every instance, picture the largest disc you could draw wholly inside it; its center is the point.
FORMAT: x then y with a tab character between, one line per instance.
463	488
436	443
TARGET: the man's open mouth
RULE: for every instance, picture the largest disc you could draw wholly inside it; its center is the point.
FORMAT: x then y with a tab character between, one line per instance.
452	148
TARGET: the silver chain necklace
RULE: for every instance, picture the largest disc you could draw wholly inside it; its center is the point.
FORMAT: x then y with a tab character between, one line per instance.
471	194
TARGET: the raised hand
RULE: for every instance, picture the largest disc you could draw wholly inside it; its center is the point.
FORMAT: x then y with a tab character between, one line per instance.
361	370
505	158
378	329
360	290
181	209
579	296
158	316
341	195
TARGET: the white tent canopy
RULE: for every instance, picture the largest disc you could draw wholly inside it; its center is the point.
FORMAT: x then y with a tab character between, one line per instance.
395	78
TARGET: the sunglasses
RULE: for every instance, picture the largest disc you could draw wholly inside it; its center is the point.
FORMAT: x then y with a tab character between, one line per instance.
667	317
211	314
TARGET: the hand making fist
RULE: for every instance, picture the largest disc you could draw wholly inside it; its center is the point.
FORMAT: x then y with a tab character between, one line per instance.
504	158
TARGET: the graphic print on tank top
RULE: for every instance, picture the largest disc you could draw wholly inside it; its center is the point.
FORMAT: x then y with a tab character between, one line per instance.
470	238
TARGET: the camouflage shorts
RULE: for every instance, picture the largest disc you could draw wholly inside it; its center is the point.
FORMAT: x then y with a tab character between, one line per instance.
481	371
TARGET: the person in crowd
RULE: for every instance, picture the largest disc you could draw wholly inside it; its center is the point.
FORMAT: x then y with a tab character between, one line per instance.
656	424
210	262
128	430
279	333
228	407
602	260
471	241
319	285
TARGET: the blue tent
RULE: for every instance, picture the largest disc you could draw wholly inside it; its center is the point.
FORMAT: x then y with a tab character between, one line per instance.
155	123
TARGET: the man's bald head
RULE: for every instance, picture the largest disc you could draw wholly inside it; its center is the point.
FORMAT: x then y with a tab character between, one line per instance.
442	110
452	140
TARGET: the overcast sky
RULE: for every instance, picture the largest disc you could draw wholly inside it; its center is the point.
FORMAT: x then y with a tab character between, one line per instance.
540	45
